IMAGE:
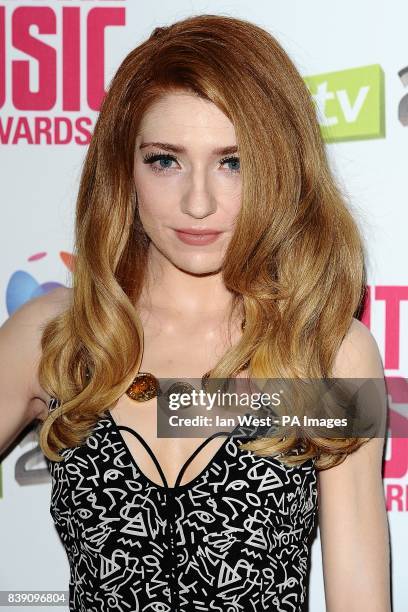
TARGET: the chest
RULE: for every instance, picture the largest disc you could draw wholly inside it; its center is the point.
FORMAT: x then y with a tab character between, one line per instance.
97	484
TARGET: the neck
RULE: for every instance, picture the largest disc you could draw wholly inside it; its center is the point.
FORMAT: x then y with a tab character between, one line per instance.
170	289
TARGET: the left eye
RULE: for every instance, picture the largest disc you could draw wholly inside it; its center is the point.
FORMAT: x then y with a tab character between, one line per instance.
234	161
165	161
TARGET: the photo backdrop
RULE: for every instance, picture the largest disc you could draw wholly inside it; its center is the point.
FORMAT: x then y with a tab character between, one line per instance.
56	60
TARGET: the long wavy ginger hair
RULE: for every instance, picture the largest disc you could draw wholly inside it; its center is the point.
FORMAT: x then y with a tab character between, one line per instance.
295	262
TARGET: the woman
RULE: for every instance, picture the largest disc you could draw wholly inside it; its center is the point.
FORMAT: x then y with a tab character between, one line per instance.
207	127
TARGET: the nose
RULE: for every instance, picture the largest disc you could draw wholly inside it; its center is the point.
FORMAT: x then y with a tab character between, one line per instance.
199	199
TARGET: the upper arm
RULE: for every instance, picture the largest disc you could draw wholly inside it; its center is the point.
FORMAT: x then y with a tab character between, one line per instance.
352	514
21	397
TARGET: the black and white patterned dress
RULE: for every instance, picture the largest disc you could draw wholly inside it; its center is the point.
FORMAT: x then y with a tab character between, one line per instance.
235	538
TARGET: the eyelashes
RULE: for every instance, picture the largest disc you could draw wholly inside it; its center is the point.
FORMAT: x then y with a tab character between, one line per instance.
151	158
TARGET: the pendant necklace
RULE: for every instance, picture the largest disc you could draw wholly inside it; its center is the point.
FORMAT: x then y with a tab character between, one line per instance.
145	385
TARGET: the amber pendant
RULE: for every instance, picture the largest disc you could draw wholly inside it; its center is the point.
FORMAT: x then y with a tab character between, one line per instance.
144	387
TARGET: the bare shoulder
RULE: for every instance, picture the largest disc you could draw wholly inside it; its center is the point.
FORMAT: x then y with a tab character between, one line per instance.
358	358
54	301
358	355
35	313
351	508
22	399
23	329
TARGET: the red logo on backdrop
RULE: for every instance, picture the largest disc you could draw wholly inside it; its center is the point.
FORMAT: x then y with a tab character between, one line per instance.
52	65
396	463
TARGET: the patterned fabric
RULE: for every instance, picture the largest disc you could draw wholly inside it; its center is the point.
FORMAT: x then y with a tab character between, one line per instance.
235	538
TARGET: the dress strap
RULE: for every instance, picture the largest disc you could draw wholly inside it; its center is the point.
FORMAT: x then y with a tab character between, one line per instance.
155	460
147	447
195	453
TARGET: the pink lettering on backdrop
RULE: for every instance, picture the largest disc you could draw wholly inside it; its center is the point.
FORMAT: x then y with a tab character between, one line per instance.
5	132
43	128
396	497
71	59
27	25
2	56
98	20
23	98
397	465
46	130
392	296
23	131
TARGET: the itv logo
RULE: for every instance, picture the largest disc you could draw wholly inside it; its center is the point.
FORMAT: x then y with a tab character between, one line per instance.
350	103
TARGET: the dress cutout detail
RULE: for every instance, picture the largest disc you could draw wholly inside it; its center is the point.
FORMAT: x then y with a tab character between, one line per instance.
155	460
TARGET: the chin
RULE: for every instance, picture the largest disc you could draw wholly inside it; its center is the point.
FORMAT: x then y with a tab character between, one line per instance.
204	267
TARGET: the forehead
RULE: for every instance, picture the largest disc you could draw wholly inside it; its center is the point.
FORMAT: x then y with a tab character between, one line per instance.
179	114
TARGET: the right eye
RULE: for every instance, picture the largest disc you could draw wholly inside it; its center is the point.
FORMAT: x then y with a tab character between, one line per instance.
166	158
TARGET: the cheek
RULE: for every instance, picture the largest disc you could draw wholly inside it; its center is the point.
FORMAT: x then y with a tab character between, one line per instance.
232	203
153	201
153	218
149	207
154	191
236	200
157	211
228	191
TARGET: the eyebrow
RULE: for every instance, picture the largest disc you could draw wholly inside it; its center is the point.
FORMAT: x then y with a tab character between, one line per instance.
179	149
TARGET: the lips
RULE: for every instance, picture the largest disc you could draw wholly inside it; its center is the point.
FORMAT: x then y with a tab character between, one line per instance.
198	231
197	237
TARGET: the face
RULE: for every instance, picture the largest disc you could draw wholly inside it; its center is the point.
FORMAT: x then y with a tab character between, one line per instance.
187	177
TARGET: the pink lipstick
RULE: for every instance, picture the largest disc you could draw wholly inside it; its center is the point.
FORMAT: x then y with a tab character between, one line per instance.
197	236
